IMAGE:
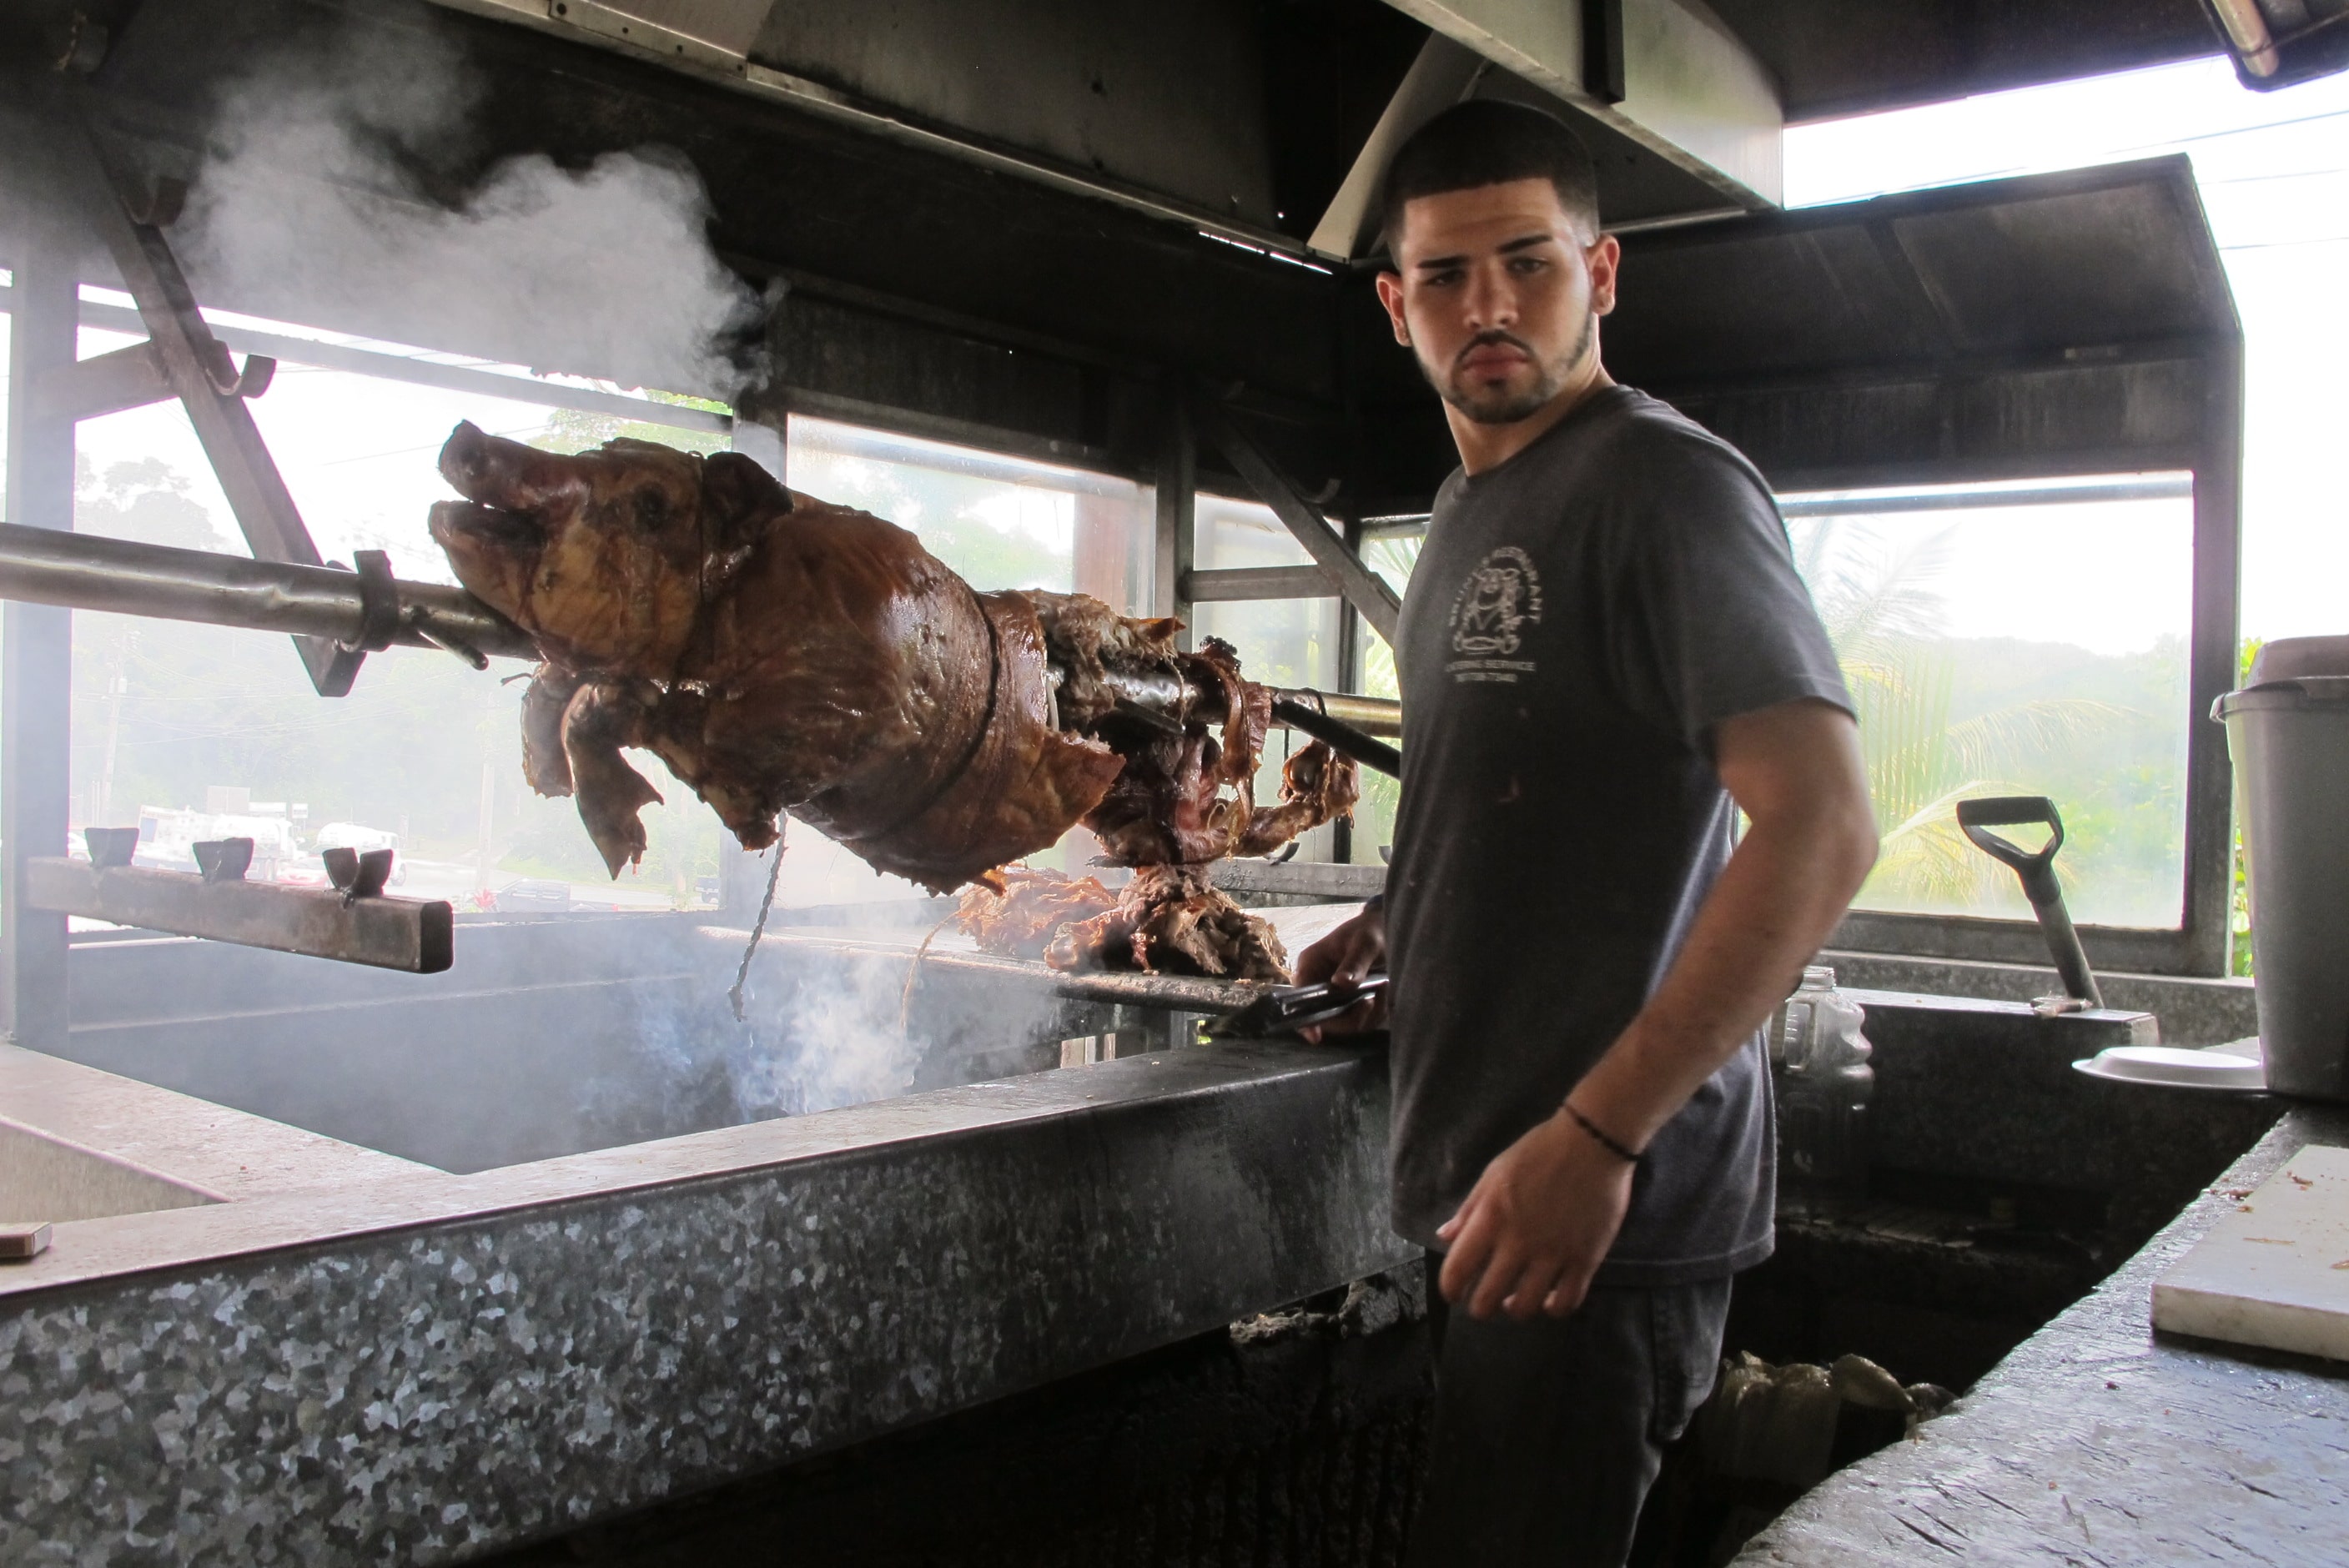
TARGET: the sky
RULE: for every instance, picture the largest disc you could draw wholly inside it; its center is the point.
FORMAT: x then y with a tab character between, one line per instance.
2273	171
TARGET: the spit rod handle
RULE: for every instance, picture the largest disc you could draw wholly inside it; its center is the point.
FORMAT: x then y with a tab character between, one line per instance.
1339	737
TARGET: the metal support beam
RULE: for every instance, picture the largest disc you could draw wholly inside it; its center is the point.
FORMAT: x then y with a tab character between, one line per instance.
1258	582
210	389
37	656
2212	670
124	577
92	388
405	934
1362	588
1178	506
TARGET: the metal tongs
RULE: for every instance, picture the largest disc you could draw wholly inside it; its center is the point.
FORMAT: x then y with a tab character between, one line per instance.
1285	1009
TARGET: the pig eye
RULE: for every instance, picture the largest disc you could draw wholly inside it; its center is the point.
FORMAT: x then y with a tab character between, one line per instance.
652	508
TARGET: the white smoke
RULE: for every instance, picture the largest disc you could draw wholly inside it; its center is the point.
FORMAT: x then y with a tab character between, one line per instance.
834	1035
319	197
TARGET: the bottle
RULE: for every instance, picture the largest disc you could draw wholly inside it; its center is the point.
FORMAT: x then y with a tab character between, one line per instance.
1819	1068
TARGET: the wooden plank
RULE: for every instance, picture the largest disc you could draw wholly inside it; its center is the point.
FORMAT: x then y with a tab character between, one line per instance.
405	934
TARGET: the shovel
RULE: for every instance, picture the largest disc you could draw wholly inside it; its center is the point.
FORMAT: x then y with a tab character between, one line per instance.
2039	885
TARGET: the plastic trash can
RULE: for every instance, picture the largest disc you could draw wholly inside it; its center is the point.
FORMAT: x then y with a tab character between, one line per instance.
2288	734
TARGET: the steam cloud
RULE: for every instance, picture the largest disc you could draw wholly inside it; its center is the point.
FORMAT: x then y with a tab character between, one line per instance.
333	195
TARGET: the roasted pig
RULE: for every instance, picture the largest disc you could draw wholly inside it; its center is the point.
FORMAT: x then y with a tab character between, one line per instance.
779	653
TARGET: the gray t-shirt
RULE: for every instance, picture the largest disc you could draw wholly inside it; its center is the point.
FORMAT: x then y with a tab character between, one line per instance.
1579	618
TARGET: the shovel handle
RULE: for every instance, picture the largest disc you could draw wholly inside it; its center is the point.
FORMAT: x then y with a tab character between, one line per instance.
2036	868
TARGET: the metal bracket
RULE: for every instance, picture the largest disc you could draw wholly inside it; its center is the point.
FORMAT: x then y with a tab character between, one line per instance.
378	603
324	922
196	366
1362	588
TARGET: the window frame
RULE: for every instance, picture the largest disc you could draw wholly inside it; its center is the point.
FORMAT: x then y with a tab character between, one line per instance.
2200	943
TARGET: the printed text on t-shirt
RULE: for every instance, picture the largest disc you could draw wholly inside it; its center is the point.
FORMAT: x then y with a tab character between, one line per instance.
1497	601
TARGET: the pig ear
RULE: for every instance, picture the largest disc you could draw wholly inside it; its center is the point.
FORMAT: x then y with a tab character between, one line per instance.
735	489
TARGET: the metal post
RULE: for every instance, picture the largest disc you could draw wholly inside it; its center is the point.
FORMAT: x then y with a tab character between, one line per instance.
1350	679
2211	664
37	655
1178	498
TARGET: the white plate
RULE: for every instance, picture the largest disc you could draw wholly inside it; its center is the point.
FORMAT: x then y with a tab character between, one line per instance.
2175	1068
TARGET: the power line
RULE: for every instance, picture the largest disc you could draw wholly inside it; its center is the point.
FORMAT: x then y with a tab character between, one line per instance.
2288	244
2334	173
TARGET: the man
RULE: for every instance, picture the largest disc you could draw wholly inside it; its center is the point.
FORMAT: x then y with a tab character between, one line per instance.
1604	646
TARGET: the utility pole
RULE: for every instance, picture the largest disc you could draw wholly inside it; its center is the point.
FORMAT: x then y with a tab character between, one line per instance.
118	685
489	809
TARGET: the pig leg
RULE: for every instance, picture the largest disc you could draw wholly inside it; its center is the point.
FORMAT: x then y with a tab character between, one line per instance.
600	720
544	703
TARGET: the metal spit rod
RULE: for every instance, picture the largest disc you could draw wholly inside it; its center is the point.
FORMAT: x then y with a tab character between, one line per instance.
91	572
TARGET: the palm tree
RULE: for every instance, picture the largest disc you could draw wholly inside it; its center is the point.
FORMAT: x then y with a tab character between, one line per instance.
1888	620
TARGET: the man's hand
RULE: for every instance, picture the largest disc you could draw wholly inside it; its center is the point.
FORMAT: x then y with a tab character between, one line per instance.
1343	958
1537	1224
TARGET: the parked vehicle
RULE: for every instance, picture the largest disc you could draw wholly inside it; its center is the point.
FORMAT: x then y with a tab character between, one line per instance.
531	896
168	837
359	837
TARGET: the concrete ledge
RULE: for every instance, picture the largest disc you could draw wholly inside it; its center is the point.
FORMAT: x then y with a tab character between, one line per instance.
439	1365
2098	1441
165	1146
47	1178
2193	1011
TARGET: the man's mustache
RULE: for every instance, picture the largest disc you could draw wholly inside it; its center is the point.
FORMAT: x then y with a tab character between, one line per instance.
1490	338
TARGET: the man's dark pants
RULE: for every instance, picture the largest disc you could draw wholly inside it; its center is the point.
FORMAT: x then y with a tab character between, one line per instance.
1549	1433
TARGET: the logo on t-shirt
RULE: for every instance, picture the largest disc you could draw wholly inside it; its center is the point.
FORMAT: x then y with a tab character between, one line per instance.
1498	599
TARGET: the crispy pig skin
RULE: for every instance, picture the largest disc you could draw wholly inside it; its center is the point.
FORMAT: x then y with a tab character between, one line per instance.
774	651
1021	921
1171	920
1317	785
777	652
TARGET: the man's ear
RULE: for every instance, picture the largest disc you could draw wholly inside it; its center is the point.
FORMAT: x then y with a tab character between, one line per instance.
1605	260
1391	296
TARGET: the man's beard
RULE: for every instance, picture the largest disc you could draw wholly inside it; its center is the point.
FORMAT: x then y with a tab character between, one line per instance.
1498	405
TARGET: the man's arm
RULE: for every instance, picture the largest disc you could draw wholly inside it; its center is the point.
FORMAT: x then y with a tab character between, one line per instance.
1541	1218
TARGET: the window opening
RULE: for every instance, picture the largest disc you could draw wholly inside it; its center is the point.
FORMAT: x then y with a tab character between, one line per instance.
1281	642
2016	640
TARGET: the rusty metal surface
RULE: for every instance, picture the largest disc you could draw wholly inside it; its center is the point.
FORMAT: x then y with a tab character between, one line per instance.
384	933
